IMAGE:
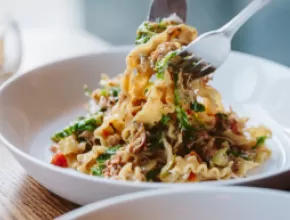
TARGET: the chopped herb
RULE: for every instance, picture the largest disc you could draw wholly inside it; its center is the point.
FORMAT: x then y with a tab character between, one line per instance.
182	118
144	33
114	91
58	136
236	153
86	124
102	158
165	119
163	64
98	171
146	90
87	91
160	75
147	30
197	107
113	150
260	141
107	154
176	96
181	114
176	91
153	174
142	39
104	92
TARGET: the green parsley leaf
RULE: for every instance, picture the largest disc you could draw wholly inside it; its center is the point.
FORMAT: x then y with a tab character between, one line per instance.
102	158
104	92
197	107
58	136
260	141
182	118
176	96
113	150
142	40
163	64
86	124
165	119
115	91
144	33
108	153
98	171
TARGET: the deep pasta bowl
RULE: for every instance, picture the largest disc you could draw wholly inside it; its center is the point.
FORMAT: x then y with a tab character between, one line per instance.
36	104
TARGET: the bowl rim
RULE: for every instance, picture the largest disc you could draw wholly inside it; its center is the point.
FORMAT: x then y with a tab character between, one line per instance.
138	185
117	200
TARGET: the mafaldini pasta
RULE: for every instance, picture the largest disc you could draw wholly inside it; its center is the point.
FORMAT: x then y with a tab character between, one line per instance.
156	123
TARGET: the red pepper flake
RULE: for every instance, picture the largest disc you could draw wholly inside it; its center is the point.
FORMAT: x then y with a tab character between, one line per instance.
59	160
192	177
189	111
106	133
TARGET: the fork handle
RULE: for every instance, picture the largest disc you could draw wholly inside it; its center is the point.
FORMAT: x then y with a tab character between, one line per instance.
235	24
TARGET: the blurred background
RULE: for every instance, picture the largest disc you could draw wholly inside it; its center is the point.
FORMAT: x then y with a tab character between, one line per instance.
115	21
267	34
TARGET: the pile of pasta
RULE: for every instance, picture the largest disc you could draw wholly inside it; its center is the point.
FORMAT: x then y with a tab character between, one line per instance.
157	123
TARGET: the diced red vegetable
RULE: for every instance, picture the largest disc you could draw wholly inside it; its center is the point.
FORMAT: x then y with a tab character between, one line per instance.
192	177
106	133
59	160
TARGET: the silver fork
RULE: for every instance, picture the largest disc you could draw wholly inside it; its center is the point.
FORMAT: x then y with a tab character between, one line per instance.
210	50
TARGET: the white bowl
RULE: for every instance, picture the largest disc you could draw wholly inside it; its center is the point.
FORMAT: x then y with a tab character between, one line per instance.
36	104
222	203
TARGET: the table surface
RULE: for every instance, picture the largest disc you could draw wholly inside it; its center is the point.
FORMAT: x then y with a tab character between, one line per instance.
21	197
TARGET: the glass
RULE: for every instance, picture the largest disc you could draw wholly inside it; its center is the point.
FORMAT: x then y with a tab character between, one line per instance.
10	47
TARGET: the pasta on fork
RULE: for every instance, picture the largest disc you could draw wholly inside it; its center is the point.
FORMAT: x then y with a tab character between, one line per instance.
156	123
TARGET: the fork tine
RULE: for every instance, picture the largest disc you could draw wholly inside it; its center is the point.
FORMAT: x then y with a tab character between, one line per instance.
184	64
195	65
202	74
189	63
